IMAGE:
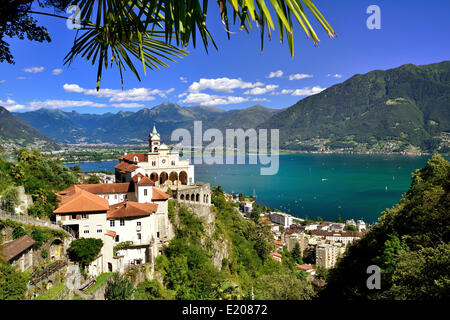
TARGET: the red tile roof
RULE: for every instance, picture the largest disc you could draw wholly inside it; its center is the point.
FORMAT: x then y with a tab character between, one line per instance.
275	256
279	243
142	157
110	233
103	188
131	209
125	167
304	267
79	200
159	195
16	247
142	180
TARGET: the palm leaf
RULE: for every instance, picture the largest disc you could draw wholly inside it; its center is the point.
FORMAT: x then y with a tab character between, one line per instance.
144	29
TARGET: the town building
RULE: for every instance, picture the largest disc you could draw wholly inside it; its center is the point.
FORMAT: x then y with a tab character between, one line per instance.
161	165
344	237
326	255
282	219
19	252
361	225
134	212
292	239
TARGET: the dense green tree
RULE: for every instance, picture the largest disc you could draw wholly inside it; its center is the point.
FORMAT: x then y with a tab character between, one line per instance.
339	219
282	286
84	250
13	284
297	254
76	169
93	179
119	287
422	274
151	290
18	232
10	198
351	227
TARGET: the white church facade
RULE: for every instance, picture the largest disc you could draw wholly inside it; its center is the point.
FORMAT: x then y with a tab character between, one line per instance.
161	165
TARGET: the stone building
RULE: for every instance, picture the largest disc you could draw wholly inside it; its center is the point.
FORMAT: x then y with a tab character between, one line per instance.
161	165
19	252
135	213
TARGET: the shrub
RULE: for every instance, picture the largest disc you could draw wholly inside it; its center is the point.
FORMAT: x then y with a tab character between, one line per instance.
84	250
18	232
118	288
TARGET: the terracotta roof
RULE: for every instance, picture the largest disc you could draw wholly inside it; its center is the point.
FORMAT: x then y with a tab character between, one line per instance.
110	233
125	167
102	188
159	195
304	267
16	247
279	243
275	254
79	200
142	157
142	180
131	209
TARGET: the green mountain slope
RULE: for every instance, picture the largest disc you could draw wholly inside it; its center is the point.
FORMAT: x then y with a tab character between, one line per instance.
409	105
15	132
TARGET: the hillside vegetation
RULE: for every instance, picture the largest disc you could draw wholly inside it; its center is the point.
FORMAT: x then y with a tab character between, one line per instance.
188	272
410	244
16	133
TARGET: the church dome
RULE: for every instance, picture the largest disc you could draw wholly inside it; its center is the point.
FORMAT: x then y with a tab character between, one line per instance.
163	147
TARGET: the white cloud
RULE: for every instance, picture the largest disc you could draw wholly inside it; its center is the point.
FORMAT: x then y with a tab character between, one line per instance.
56	104
57	71
34	69
205	99
260	99
11	105
183	79
127	105
299	76
307	91
22	78
263	90
222	84
275	74
2	81
335	76
116	95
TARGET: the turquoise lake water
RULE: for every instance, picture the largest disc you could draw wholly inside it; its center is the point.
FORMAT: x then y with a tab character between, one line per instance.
311	185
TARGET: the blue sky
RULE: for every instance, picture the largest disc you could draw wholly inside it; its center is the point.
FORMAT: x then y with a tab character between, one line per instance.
238	74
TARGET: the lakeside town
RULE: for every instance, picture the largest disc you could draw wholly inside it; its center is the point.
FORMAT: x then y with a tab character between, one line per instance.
131	212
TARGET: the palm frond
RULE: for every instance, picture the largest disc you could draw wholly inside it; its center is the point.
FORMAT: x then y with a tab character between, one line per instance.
145	29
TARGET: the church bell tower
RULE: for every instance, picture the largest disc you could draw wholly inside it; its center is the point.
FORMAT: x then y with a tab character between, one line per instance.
153	140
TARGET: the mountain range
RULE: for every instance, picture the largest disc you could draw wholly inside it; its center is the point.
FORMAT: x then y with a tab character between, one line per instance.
134	127
400	109
409	105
